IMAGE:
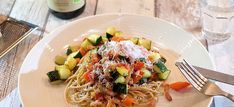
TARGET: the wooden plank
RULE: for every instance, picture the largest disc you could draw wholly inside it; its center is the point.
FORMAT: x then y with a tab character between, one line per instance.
36	12
143	7
54	22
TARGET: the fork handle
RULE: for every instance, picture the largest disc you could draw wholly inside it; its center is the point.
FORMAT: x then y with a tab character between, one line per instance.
229	96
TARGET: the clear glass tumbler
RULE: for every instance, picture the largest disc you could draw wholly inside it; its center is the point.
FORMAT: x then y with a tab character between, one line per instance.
217	19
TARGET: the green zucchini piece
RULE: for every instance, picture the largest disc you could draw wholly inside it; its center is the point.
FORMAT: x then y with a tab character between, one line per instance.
70	62
114	74
118	34
145	43
108	36
111	31
59	60
164	75
120	88
134	40
122	71
53	76
72	49
64	73
95	39
160	67
147	73
78	55
143	80
154	56
120	79
104	39
86	44
59	67
69	51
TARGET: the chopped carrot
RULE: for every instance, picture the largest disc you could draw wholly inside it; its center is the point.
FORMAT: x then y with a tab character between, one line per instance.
82	51
179	85
95	58
136	78
166	92
77	60
87	76
128	101
115	38
138	65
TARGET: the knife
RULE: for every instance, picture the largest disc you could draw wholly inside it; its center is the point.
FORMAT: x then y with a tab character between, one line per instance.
214	75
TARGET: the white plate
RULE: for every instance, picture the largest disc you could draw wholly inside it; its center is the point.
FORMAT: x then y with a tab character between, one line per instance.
35	91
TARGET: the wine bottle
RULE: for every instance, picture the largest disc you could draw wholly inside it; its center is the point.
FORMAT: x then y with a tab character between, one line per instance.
66	9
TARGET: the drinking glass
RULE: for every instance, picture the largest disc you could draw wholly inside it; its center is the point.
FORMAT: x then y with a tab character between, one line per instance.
217	19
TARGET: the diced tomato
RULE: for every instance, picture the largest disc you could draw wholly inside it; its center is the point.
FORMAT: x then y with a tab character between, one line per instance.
128	101
77	60
117	38
136	78
95	58
99	96
87	76
179	85
153	77
82	51
138	65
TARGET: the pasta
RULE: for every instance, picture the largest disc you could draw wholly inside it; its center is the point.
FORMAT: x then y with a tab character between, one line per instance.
112	71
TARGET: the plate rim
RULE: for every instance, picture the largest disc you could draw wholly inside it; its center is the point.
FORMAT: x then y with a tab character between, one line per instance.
50	36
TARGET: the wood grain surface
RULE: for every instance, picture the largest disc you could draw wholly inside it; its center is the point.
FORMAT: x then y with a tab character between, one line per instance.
184	13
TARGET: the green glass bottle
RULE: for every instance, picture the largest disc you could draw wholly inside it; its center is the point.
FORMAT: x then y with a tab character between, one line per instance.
66	9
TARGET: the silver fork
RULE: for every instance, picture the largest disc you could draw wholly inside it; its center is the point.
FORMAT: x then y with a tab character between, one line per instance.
201	83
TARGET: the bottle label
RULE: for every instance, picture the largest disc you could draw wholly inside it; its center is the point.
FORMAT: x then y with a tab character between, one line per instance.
65	5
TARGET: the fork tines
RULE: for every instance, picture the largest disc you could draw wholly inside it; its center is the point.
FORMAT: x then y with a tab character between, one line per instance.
191	74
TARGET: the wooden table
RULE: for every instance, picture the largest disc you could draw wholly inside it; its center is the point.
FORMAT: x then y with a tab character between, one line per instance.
36	12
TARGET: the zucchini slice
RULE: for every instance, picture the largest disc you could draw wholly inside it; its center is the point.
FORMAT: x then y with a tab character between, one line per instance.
120	79
111	31
104	39
145	43
164	75
59	60
122	71
86	44
53	76
120	88
64	73
72	49
147	73
118	34
95	39
134	40
160	67
154	56
70	62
